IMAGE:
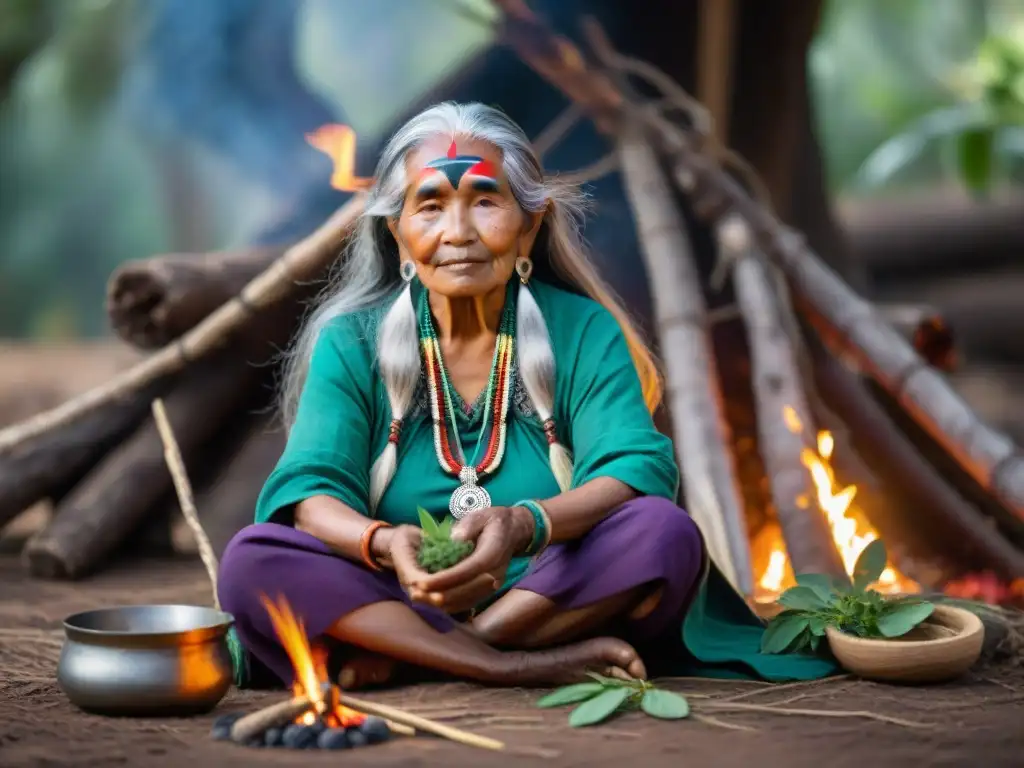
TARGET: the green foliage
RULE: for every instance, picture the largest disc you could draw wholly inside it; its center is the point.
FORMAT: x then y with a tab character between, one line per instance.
598	700
913	92
817	602
438	550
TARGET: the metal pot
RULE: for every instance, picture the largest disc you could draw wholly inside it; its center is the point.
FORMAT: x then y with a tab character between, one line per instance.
146	660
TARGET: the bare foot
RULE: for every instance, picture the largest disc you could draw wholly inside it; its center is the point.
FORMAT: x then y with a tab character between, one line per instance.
570	663
366	670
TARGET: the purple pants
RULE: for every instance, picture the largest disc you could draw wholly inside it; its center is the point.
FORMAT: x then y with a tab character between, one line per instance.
645	541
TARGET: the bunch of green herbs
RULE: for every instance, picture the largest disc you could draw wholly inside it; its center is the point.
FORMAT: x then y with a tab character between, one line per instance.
439	550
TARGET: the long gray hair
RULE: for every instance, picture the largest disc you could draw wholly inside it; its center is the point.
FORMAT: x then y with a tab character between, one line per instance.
368	276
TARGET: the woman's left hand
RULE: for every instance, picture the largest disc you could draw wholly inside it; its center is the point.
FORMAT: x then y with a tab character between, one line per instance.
499	534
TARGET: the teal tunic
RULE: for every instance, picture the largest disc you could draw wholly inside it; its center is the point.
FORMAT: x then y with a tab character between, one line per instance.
343	419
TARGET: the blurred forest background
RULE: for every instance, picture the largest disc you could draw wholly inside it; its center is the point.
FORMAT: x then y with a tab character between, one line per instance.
135	127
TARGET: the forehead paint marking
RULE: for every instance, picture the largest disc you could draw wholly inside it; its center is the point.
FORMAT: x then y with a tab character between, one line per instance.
454	166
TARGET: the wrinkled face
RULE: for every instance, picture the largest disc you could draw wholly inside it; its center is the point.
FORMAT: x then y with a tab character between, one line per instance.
460	224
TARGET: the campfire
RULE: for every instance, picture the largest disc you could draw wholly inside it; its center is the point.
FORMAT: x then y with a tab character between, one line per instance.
849	526
315	715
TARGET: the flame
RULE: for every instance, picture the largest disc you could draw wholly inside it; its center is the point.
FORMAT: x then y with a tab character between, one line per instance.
310	665
338	142
851	530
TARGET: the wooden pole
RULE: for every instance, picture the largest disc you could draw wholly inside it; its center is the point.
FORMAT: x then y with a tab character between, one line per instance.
846	320
694	396
785	422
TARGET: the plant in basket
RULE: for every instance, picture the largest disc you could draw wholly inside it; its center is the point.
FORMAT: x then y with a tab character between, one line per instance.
818	603
439	550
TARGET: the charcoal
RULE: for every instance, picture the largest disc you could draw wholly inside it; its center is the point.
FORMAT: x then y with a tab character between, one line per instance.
356	738
298	737
221	730
318	727
334	738
375	729
272	737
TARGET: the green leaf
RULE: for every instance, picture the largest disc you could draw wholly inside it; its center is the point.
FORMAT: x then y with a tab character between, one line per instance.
818	583
903	618
607	682
570	694
802	599
900	151
781	632
664	705
817	624
869	566
427	523
596	709
974	149
815	642
445	528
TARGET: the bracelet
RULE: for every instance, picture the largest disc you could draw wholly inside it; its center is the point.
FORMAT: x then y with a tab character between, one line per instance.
364	544
541	527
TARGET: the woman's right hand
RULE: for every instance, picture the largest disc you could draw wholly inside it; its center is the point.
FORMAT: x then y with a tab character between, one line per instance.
398	547
403	545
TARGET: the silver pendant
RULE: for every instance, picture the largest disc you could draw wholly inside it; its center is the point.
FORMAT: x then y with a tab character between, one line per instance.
468	497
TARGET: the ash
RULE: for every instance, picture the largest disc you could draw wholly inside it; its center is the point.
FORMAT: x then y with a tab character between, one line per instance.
373	730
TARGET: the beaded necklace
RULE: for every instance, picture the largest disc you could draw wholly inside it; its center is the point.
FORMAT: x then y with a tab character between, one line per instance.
469	496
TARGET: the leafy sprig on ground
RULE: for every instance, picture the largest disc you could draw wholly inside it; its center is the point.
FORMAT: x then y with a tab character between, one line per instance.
604	696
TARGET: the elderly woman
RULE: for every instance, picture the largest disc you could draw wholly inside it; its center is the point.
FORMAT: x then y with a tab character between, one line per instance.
469	360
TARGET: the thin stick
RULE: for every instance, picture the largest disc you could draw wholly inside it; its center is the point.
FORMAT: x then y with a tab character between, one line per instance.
300	263
183	488
721	723
421	723
784	687
739	707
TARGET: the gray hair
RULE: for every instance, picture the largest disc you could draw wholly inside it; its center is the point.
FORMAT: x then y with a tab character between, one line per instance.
368	277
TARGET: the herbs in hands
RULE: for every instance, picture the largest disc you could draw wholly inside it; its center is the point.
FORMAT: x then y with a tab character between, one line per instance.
438	550
598	700
818	602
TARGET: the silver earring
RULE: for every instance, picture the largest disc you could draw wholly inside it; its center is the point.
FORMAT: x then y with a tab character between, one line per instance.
408	271
524	268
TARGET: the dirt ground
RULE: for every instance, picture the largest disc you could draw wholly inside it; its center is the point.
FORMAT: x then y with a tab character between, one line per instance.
976	721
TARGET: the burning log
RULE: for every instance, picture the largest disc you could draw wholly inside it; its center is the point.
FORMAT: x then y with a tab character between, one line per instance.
304	261
783	414
250	726
114	499
892	455
151	302
694	397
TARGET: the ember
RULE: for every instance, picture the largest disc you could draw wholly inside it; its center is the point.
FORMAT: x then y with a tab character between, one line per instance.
851	530
314	717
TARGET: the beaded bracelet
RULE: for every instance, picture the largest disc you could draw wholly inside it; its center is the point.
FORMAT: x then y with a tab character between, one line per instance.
364	544
541	527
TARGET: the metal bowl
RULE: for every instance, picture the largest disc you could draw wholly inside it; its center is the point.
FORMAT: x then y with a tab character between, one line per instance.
146	660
